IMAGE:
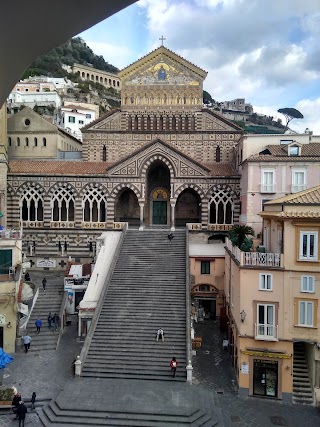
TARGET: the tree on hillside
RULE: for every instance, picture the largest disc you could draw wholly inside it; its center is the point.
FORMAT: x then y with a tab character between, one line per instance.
290	114
207	99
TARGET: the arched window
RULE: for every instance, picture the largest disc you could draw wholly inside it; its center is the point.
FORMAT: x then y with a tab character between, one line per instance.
31	205
94	206
104	153
18	142
221	208
35	142
9	140
44	141
62	204
218	154
27	142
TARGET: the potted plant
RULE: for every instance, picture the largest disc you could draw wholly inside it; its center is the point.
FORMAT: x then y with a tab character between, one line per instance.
6	396
238	236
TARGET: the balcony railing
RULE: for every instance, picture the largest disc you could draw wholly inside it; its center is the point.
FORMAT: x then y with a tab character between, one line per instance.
266	332
10	233
255	259
297	188
268	188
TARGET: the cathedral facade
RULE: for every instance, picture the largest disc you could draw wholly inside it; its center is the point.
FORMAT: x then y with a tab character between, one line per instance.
160	160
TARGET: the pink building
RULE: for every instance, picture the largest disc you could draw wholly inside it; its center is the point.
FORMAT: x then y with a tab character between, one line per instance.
269	171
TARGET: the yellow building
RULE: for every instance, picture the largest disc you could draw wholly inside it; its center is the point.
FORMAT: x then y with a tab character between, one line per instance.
272	303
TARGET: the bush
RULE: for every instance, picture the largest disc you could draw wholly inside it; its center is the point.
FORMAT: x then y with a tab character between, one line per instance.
6	394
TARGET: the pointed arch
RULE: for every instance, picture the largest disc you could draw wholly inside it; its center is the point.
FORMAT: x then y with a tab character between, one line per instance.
31	202
221	205
62	202
124	185
94	203
147	163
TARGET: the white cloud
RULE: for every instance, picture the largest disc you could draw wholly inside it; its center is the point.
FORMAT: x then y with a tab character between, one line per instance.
310	109
114	54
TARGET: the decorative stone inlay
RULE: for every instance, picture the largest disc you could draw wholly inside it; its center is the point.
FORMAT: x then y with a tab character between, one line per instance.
62	224
95	225
119	225
31	224
220	227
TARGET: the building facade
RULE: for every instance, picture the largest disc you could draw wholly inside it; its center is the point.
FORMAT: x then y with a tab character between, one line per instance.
160	159
86	73
272	301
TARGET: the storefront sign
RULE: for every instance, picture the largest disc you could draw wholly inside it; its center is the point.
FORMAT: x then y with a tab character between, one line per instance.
51	263
266	354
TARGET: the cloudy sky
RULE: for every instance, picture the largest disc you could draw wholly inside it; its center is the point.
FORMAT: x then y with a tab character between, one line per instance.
267	51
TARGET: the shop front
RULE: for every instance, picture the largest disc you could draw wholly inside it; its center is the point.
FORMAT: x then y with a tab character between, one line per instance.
265	377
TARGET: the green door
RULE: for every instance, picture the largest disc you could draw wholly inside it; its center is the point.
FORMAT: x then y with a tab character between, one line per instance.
5	260
159	212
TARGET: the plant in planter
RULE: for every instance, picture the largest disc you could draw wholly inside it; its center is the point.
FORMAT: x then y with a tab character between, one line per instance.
239	237
6	396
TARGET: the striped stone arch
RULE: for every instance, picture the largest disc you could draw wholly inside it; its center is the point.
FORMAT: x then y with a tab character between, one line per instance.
96	186
147	163
124	185
30	184
64	185
192	186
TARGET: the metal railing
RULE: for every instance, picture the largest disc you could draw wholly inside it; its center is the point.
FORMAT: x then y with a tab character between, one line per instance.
266	332
254	259
188	303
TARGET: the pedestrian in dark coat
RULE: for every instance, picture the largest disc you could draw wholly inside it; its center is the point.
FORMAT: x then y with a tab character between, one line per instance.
27	277
33	400
55	320
38	324
15	403
44	283
21	412
49	320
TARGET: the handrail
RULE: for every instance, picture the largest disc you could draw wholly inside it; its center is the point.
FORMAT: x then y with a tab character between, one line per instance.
62	315
188	303
95	317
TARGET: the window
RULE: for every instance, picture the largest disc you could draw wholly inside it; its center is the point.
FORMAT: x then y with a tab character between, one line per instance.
266	321
9	139
31	205
265	282
27	142
268	182
94	206
305	313
205	267
294	150
81	122
308	246
307	284
18	142
36	142
221	207
88	116
72	119
298	181
62	205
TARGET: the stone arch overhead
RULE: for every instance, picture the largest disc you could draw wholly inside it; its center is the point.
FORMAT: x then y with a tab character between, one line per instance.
148	162
123	185
192	186
222	187
35	185
95	185
62	184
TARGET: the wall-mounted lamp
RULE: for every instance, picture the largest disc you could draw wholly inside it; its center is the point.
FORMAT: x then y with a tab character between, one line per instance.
9	325
243	315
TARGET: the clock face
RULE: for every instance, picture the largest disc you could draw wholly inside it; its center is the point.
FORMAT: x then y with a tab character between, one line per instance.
159	194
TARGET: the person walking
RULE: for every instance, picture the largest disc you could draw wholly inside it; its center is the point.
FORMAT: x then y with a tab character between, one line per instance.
38	324
26	339
160	334
15	403
33	400
55	320
44	283
173	366
21	412
27	277
49	320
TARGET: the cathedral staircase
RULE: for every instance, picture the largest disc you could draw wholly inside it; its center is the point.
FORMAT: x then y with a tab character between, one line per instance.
47	301
302	391
147	291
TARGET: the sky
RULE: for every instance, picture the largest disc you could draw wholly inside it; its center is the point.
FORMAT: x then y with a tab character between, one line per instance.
266	51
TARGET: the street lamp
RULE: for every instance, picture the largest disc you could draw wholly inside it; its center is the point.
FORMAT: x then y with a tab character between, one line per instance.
243	315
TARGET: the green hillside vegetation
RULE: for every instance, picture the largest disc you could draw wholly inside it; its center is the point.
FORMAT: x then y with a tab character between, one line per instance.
73	51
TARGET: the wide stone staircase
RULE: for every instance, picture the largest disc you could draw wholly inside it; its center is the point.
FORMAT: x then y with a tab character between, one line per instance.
147	291
302	391
47	301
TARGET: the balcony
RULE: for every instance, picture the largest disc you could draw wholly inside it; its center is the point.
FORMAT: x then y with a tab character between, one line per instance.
255	259
297	188
268	188
266	332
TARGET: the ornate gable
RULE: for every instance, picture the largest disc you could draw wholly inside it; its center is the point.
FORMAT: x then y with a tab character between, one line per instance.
111	121
215	122
181	165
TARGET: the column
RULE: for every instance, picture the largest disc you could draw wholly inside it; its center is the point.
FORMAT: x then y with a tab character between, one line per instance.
141	216
173	205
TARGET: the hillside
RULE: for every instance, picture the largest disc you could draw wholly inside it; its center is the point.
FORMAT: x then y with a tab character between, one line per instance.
73	51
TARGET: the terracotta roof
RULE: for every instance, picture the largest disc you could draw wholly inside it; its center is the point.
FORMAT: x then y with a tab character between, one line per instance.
309	152
292	214
221	169
57	167
306	197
